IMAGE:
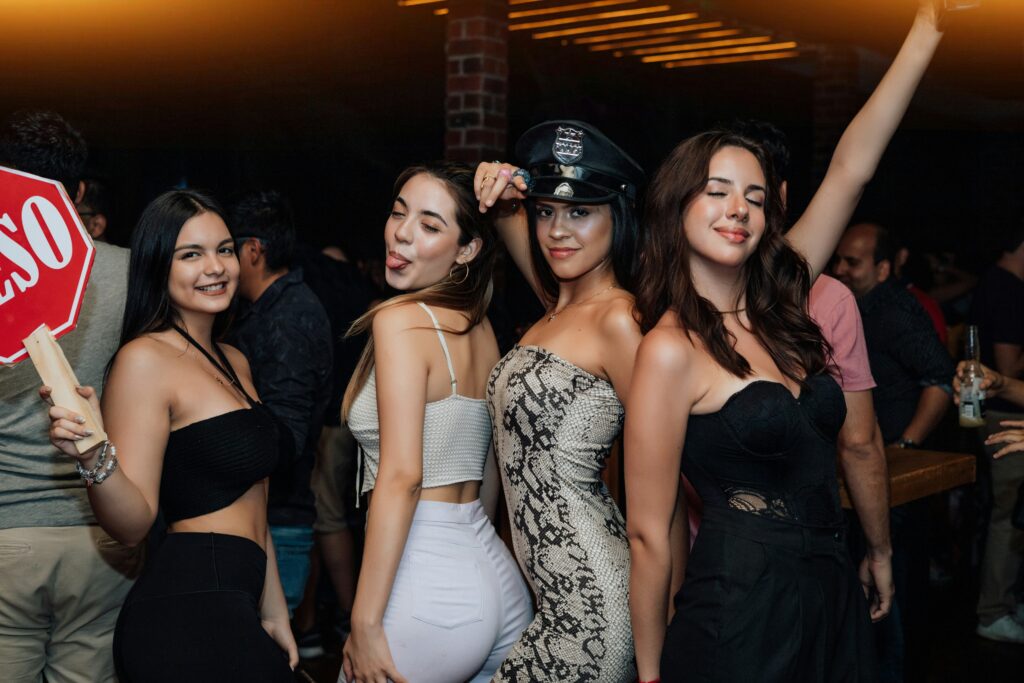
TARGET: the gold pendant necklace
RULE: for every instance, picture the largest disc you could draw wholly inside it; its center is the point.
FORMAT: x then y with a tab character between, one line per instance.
577	303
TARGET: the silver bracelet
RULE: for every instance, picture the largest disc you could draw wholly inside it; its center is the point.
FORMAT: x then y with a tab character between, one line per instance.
103	468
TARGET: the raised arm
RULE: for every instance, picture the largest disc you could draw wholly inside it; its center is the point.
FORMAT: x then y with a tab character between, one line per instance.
660	399
136	416
817	232
401	375
499	190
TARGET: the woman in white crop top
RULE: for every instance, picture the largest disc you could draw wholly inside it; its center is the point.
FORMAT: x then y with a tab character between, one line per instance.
439	596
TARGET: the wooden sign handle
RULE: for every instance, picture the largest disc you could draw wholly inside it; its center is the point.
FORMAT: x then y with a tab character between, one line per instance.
56	373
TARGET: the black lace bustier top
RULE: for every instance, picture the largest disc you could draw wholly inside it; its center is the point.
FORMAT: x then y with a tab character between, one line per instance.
769	454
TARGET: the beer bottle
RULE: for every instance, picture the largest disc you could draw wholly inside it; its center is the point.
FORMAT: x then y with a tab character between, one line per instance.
972	397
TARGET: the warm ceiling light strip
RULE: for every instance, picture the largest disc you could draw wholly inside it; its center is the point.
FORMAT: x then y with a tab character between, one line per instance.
603	47
732	60
413	3
648	32
440	12
649	21
773	47
683	47
523	2
589	17
567	8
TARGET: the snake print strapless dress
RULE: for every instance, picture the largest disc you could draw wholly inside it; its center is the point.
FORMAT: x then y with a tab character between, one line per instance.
554	424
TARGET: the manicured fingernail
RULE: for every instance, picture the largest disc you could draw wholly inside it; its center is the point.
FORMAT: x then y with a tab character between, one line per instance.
505	173
80	420
88	432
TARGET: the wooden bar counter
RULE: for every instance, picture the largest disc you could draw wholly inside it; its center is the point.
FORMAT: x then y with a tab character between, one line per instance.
915	474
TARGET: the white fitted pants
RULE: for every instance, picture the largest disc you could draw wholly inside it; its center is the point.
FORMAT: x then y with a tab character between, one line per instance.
458	602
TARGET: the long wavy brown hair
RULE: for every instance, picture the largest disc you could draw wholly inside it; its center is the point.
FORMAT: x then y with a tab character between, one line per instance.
776	278
470	294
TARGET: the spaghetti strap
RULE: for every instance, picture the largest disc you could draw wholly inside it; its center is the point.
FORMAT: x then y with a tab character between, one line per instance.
444	345
224	366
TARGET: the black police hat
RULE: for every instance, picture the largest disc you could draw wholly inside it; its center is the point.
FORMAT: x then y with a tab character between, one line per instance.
572	161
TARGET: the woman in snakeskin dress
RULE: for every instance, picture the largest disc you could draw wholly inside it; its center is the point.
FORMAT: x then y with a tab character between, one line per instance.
554	398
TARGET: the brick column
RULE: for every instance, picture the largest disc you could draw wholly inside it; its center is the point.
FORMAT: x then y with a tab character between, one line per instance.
836	100
477	86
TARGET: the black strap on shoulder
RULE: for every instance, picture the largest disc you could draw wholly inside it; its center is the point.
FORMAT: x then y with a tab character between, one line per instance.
224	366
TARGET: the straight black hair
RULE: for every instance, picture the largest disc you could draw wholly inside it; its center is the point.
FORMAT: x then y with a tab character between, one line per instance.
148	307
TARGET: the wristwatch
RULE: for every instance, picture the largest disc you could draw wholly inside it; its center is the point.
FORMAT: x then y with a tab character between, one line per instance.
904	442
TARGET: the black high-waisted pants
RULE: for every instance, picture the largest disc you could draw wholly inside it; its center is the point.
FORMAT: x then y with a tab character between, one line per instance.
193	616
765	601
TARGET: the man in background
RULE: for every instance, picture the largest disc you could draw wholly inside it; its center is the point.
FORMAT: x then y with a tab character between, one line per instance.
998	311
64	579
913	374
93	208
285	334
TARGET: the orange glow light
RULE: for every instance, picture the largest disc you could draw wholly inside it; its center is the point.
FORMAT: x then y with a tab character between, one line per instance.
602	47
567	8
619	24
773	47
589	17
441	11
732	60
649	32
413	3
683	47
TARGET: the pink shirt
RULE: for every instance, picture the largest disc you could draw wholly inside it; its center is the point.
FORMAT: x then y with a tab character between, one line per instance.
833	307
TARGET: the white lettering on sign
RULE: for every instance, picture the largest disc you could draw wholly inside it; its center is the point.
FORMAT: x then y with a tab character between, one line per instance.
55	225
41	250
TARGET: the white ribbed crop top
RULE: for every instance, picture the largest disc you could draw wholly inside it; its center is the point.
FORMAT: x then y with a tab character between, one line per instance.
456	432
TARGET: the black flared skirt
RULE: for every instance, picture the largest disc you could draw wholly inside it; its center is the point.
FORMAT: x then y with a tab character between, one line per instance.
768	602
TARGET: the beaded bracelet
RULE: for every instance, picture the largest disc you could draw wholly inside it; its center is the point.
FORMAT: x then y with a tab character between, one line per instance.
103	468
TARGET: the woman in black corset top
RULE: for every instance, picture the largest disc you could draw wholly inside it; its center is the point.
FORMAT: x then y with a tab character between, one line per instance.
730	380
191	440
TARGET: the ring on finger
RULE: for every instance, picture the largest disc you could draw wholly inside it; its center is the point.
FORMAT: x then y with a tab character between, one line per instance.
487	177
525	175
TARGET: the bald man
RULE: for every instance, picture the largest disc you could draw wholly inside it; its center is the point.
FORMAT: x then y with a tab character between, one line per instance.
908	361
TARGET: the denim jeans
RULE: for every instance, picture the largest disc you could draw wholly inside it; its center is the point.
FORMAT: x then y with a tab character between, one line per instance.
292	544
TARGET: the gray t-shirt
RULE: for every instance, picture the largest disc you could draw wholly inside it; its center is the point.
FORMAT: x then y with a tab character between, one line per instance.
38	484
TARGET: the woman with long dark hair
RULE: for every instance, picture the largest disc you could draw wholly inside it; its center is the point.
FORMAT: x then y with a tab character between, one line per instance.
731	379
439	597
187	436
555	399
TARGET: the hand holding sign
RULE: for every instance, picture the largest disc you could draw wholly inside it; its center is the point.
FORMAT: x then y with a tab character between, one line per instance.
45	259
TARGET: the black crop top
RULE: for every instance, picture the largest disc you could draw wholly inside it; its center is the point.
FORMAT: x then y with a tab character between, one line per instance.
209	464
770	454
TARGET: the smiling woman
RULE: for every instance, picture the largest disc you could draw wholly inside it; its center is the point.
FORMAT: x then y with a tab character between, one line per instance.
555	398
731	384
194	442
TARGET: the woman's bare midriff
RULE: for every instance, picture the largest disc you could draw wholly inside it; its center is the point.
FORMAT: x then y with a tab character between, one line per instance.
463	492
246	517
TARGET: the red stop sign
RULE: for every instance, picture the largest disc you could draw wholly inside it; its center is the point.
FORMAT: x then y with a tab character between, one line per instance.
45	258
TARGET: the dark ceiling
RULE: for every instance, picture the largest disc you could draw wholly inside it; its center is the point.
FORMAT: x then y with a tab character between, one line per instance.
292	72
329	98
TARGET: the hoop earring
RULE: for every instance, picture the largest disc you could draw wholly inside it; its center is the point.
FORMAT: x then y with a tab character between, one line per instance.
465	275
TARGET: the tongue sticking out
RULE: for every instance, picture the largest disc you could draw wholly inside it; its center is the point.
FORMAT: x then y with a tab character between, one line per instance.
396	262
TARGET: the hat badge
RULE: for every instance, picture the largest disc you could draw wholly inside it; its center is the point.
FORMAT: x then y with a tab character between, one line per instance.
568	147
564	190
